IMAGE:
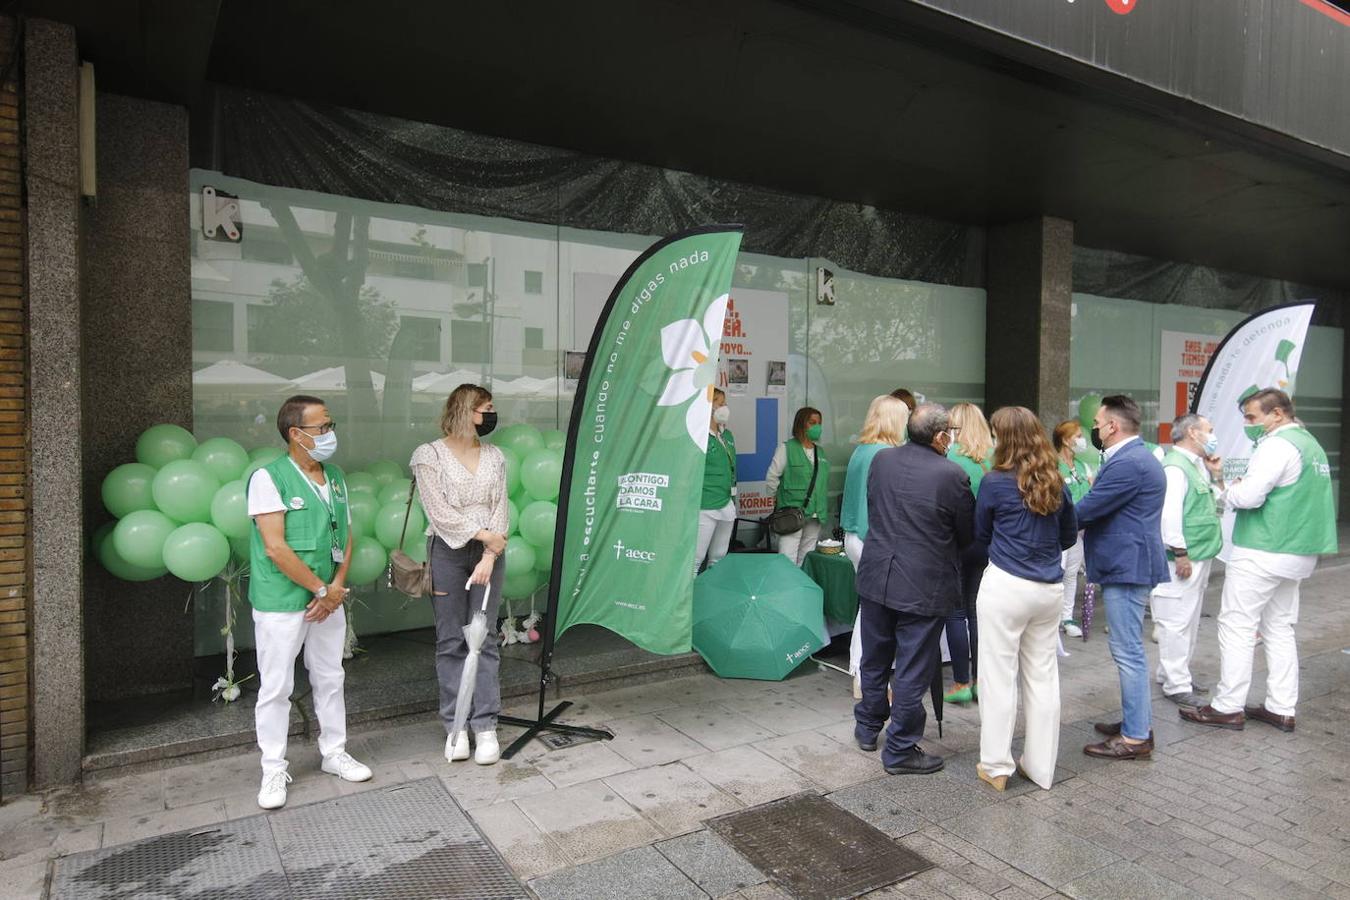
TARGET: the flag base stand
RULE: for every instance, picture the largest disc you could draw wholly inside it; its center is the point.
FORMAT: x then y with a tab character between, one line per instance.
547	721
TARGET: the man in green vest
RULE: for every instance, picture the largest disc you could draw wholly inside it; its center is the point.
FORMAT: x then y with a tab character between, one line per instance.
1286	517
301	548
1193	537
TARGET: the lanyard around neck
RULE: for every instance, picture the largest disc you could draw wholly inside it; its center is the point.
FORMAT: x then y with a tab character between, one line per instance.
318	493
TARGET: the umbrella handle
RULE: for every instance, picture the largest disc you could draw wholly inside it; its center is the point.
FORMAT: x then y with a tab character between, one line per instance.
487	592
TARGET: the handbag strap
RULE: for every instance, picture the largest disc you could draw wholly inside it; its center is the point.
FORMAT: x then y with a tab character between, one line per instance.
811	486
407	512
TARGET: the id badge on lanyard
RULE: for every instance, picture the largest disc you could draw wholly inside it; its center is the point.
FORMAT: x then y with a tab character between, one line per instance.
338	552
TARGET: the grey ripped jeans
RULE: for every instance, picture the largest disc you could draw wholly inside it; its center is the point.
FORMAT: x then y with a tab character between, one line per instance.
450	569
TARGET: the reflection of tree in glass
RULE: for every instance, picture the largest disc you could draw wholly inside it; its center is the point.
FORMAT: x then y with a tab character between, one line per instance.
882	322
298	329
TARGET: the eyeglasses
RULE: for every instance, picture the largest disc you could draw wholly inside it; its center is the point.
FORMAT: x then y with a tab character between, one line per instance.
321	429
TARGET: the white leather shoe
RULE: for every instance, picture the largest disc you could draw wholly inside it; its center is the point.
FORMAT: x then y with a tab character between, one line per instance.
457	747
487	751
345	767
272	795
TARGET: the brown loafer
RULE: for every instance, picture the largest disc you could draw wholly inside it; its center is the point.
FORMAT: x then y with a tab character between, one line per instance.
1118	748
1208	715
1107	728
1261	714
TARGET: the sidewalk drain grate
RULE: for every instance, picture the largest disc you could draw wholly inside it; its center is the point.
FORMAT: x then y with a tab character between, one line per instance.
405	842
816	850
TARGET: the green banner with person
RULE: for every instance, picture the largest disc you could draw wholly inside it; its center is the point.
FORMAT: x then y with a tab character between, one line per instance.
628	510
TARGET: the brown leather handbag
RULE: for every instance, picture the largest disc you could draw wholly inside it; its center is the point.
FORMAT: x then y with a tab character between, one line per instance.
406	574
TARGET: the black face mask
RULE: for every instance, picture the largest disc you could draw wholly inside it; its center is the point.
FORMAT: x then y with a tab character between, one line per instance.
489	423
1097	439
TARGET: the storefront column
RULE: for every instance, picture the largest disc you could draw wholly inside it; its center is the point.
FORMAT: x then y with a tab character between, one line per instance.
1344	509
1027	317
51	109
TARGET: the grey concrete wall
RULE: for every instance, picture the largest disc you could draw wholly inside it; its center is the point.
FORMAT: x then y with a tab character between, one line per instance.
1028	306
137	359
51	89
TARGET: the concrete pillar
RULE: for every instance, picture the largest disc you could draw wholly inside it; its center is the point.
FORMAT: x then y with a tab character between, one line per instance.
1027	317
51	104
1344	508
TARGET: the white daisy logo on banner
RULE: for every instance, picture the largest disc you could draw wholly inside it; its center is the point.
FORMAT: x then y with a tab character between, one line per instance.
690	349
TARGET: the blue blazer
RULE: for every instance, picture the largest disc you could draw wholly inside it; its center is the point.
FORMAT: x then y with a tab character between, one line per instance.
1122	520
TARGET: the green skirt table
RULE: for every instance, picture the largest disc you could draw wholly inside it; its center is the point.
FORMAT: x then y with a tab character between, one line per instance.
834	573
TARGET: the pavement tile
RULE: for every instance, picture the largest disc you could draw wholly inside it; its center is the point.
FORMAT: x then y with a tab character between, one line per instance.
647	741
526	849
1124	881
878	809
749	775
711	863
636	873
474	785
588	821
714	726
1038	848
936	797
24	882
133	828
779	714
672	797
580	763
825	762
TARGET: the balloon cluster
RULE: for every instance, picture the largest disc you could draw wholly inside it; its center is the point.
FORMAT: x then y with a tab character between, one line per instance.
181	507
534	461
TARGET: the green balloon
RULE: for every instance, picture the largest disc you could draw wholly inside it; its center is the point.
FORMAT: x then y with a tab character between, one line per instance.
519	557
184	489
554	439
541	474
229	510
512	470
265	454
139	537
537	522
127	489
543	562
241	549
224	458
369	560
521	437
160	445
1087	410
110	559
519	585
389	524
415	545
385	471
196	551
512	517
363	508
396	491
99	536
362	483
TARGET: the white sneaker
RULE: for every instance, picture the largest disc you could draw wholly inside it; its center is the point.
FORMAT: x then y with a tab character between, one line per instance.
1071	629
457	747
487	752
272	794
343	766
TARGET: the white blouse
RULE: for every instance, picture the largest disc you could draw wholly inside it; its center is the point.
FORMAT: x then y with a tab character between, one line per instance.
460	503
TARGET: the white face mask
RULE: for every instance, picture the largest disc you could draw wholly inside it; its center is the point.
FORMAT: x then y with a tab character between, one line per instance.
1079	444
325	445
722	415
1210	444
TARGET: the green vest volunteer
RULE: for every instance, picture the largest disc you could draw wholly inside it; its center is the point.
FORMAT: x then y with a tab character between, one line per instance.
316	529
1199	512
1297	518
1076	478
796	480
719	470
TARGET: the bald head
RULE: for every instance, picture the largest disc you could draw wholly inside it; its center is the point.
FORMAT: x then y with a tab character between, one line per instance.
927	422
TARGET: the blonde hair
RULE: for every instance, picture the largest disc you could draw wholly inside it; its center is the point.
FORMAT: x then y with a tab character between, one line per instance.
887	417
457	418
973	437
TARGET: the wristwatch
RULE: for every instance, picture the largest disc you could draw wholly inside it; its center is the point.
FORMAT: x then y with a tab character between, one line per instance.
322	592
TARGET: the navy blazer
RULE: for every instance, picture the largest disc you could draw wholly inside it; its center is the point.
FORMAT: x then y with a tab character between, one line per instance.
920	514
1122	520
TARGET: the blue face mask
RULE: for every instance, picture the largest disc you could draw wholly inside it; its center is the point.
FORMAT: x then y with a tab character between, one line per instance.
1211	444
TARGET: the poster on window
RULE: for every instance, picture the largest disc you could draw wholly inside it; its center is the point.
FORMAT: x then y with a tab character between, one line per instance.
1183	360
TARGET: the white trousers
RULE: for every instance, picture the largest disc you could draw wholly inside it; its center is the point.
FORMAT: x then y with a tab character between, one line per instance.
1176	617
1019	631
279	637
853	547
714	538
796	545
1072	560
1256	601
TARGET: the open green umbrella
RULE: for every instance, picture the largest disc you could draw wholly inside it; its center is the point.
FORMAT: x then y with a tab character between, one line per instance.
756	615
